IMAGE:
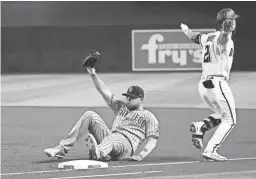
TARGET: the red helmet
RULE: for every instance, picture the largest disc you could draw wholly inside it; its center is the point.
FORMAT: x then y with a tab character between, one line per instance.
227	16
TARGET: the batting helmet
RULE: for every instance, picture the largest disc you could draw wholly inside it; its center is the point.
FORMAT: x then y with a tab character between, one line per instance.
227	16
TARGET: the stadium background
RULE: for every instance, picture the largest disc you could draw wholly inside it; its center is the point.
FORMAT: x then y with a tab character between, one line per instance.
53	37
45	90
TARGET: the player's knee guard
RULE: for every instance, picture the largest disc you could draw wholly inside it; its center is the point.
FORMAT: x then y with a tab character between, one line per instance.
210	123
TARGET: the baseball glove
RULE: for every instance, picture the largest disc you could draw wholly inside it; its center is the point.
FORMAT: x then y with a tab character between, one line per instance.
92	59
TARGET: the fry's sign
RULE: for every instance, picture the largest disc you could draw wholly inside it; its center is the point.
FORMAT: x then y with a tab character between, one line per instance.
165	50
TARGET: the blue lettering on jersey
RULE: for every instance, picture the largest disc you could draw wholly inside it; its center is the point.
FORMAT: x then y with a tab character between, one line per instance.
139	120
123	112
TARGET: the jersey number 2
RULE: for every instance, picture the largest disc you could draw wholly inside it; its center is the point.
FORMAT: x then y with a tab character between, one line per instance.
207	57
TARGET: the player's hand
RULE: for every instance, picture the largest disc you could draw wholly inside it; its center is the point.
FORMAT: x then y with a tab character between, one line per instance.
91	70
135	158
184	27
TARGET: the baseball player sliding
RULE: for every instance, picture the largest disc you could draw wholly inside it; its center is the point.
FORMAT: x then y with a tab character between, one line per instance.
217	59
132	125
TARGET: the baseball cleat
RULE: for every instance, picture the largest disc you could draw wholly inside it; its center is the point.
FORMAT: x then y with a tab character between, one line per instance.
197	134
91	143
57	151
197	142
213	156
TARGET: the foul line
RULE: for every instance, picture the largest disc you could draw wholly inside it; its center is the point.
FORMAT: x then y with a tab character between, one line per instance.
107	175
155	164
207	175
176	163
123	166
36	172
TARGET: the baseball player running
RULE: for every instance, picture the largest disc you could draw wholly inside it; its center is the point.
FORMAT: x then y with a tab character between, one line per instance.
217	59
132	125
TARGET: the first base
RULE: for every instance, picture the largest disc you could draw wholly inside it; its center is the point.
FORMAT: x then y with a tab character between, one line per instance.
82	164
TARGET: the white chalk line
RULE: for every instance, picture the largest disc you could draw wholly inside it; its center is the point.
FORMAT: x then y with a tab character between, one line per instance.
35	172
154	164
204	175
124	166
108	175
176	163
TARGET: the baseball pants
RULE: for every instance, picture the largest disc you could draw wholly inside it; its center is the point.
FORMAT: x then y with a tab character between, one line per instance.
110	144
221	101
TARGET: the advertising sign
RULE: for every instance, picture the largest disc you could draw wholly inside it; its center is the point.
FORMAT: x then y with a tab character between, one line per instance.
165	50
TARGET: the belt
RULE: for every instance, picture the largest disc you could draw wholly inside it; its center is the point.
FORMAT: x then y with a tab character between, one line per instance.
210	77
126	138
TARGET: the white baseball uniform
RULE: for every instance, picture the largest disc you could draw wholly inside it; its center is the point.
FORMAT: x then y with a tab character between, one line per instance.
213	88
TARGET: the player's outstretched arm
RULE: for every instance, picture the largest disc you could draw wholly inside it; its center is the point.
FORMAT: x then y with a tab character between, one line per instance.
100	85
149	147
89	64
194	36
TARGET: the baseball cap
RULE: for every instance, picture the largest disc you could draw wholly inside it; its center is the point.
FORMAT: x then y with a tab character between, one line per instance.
226	13
134	91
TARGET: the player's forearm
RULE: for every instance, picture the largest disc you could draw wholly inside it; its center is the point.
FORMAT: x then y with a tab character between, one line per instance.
194	36
149	147
187	31
100	86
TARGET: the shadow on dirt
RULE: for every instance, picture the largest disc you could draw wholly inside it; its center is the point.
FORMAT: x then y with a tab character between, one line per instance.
56	160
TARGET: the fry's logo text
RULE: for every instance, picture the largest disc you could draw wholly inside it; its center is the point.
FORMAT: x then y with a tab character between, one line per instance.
159	52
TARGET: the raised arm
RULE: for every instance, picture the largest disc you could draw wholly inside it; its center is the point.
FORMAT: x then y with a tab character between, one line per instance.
100	86
196	37
89	64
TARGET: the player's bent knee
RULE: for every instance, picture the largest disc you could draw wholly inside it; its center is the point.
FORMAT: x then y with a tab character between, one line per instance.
234	122
229	118
230	121
89	115
234	119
